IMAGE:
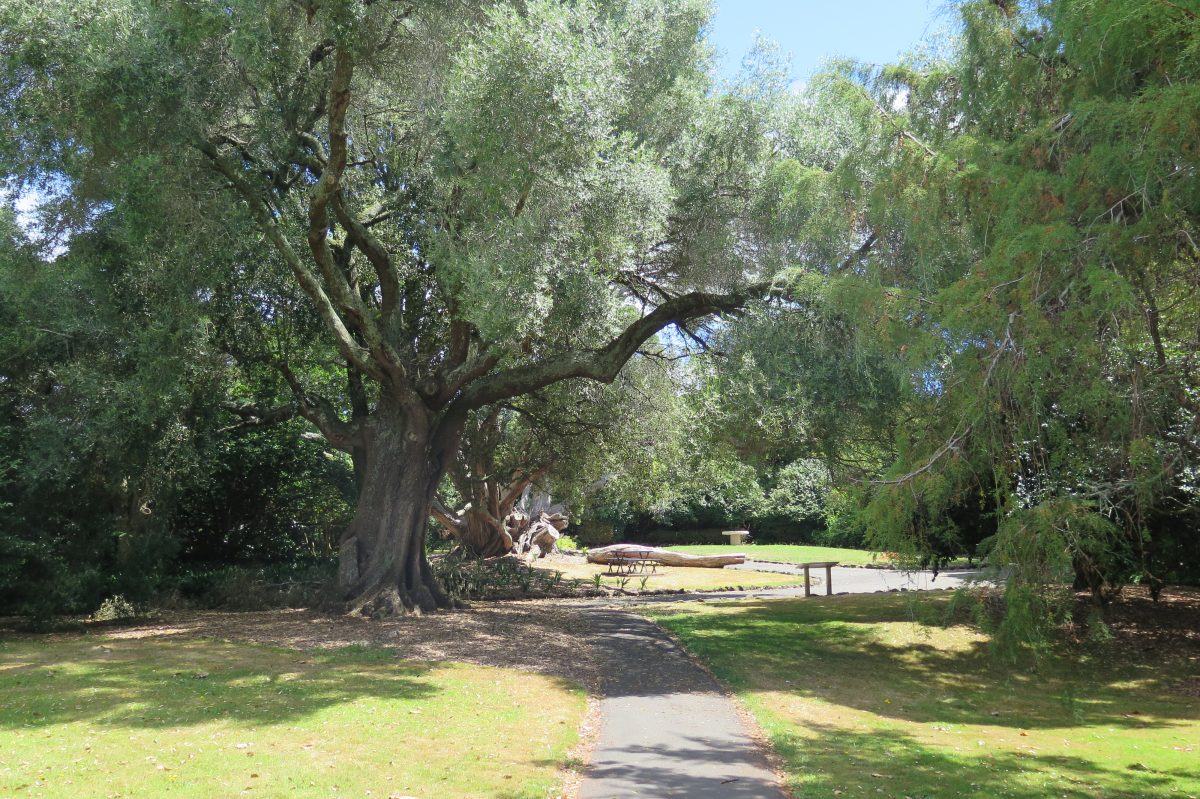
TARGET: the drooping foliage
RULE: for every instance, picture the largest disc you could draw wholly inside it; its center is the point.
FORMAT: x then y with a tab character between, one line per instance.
1022	299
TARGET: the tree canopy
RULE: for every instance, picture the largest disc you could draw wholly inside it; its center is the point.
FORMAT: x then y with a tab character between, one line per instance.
947	304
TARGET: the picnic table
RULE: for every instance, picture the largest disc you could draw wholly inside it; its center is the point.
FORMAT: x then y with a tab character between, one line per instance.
817	564
632	561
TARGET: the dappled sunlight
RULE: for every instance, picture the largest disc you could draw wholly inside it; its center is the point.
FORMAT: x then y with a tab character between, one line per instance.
872	693
148	685
202	717
829	760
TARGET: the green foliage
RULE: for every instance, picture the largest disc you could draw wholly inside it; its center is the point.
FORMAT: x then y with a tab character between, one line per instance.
119	463
1013	295
594	533
986	320
272	496
844	523
396	213
503	578
115	608
796	505
295	583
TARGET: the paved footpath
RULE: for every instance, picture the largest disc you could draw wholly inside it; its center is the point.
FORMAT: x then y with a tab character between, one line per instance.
852	580
666	728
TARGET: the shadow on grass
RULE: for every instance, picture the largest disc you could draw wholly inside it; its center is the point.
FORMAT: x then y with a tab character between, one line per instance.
834	650
849	764
150	684
641	770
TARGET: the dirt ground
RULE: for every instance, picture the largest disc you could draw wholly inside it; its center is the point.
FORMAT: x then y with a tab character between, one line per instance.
550	636
539	636
1167	629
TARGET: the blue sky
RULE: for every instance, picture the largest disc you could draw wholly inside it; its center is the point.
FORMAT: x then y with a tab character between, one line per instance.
812	30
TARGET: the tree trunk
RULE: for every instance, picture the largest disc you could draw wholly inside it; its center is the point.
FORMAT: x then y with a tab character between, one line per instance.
383	570
482	535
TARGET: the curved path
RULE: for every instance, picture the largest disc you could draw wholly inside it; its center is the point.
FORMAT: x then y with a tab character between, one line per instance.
667	729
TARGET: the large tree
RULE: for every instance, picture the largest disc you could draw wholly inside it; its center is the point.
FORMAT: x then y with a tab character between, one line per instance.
1029	209
469	197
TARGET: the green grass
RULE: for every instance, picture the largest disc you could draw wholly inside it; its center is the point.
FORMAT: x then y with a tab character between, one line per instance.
862	697
91	716
786	553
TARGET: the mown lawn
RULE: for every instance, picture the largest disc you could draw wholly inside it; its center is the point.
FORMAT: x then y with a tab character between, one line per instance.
91	716
786	553
862	698
671	577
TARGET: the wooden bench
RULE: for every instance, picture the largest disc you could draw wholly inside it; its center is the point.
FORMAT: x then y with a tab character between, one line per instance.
816	564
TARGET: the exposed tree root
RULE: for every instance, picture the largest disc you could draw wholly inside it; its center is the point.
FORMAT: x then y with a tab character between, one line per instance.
391	601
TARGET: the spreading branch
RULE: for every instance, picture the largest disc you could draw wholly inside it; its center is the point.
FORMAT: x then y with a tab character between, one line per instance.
604	363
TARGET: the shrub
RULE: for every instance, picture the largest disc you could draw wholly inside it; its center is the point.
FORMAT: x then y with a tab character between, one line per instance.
794	510
115	608
473	578
593	533
304	583
844	524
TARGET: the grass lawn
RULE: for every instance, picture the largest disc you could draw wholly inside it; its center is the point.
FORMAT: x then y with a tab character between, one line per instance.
673	577
786	553
91	716
861	699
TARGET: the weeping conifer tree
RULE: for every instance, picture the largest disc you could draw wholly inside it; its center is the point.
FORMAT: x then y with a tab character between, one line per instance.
1028	212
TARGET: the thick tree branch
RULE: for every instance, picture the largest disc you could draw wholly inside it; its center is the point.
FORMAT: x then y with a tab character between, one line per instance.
520	482
604	364
453	522
856	256
253	417
324	193
309	282
361	236
470	370
321	413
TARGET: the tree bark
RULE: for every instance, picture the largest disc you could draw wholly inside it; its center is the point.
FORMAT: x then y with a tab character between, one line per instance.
484	535
383	570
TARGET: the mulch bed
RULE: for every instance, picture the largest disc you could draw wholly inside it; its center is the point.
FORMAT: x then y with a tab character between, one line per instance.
1169	626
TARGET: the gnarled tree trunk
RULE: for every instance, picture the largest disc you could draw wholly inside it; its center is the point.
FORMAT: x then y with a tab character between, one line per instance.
382	567
488	524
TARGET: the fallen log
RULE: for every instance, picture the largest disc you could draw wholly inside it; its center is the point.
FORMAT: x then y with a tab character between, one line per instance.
665	557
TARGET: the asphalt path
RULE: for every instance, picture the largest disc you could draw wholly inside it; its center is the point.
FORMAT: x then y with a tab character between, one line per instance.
851	580
666	727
